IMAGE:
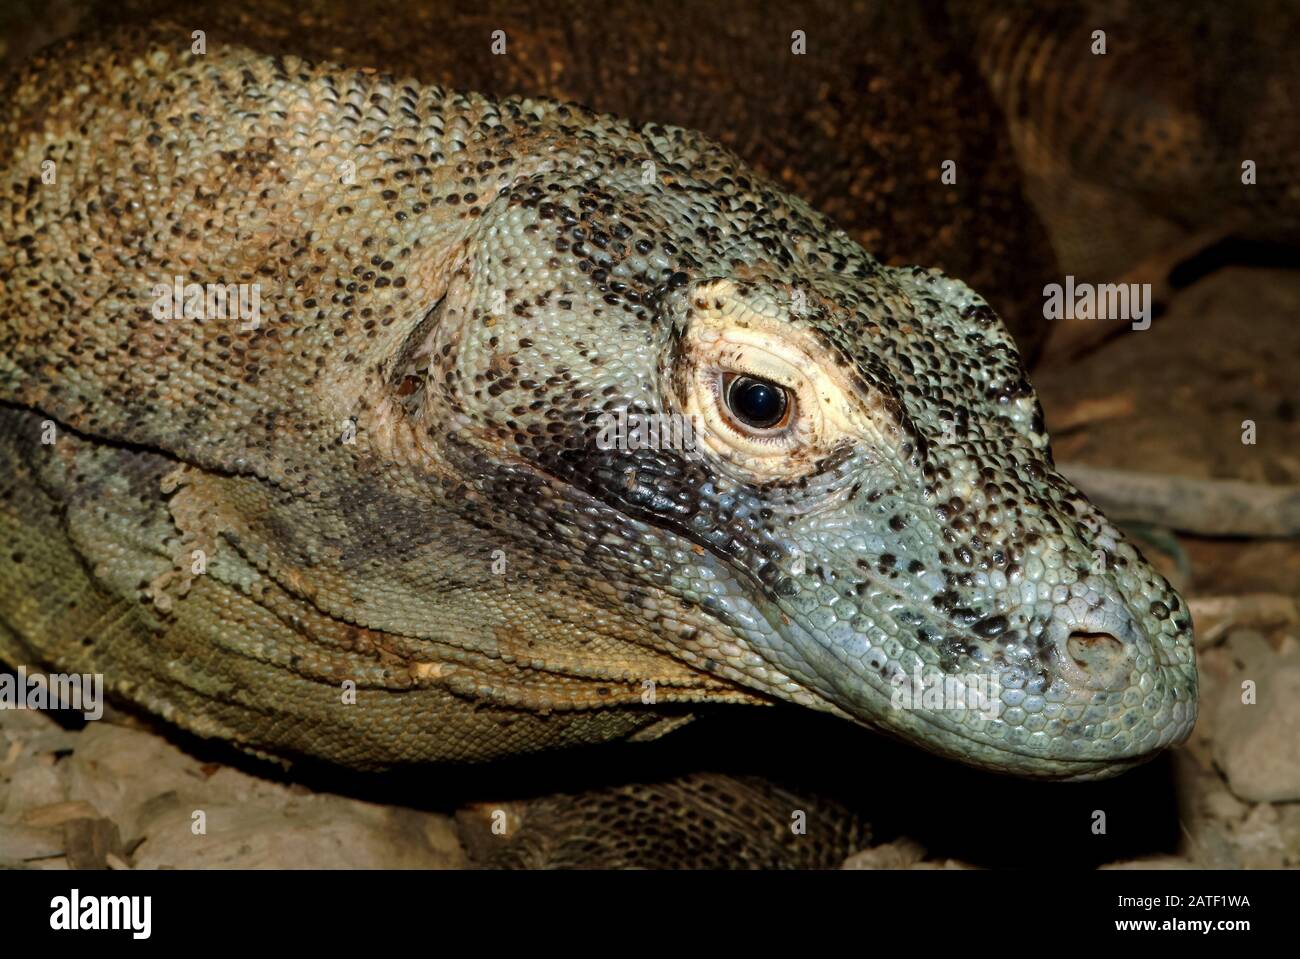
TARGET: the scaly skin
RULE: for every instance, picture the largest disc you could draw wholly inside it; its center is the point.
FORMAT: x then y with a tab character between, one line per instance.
835	126
496	275
1128	152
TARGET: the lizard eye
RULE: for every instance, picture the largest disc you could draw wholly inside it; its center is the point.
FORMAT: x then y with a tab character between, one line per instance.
756	404
766	398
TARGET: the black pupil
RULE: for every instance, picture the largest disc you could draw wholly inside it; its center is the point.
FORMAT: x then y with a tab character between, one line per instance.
757	403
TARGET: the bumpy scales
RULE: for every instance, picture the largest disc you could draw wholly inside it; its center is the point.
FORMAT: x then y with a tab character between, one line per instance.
392	477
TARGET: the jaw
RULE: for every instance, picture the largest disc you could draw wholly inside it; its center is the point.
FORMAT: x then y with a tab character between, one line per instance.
763	633
813	671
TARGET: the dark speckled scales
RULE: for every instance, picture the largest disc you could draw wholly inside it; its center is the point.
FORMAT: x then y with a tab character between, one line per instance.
513	260
245	651
860	126
394	479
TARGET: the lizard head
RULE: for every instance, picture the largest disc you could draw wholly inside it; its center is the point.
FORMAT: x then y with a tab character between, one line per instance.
794	468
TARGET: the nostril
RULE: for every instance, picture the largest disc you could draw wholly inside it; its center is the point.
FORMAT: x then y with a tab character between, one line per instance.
1100	658
1088	649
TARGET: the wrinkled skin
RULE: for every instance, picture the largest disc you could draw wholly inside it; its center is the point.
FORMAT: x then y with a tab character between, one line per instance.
495	277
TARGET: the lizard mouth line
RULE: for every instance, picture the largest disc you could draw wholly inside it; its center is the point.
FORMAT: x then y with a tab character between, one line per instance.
829	670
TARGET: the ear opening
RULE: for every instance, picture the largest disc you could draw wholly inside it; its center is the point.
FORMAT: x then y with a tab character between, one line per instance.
407	371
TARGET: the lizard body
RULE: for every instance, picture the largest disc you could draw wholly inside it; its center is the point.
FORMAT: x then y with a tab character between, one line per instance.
1139	125
454	289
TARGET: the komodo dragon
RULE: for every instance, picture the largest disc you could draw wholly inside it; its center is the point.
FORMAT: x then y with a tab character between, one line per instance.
394	476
